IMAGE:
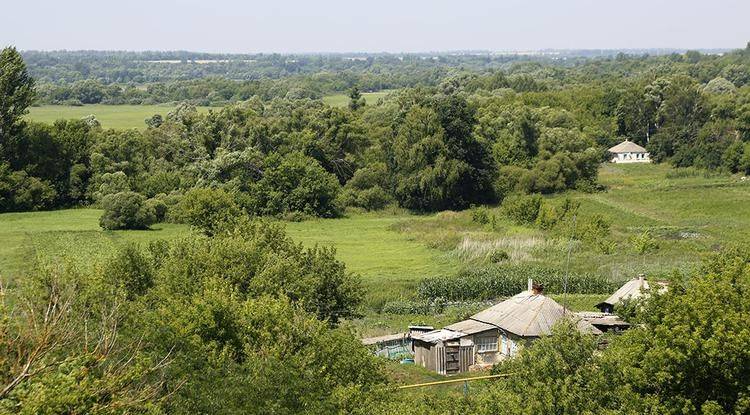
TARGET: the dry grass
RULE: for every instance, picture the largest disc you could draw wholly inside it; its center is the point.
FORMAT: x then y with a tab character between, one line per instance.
518	248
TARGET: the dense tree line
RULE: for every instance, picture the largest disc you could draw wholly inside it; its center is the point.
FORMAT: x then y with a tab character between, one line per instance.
289	156
472	138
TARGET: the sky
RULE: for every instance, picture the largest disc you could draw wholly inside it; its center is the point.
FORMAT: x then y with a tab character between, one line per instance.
286	26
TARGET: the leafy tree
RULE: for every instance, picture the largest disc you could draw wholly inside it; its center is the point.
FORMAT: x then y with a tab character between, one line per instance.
356	101
16	93
126	210
294	183
720	86
438	162
208	210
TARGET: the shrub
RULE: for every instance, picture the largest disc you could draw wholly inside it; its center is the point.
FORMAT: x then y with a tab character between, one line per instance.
126	210
523	209
644	243
293	183
506	280
498	256
131	270
595	231
21	192
480	215
373	198
207	209
159	207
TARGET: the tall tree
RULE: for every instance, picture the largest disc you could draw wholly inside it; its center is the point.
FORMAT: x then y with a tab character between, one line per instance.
356	101
16	93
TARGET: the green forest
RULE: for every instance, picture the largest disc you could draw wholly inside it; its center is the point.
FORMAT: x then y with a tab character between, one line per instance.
228	255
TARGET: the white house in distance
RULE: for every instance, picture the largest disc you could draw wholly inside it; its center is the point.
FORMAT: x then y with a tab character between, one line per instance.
629	152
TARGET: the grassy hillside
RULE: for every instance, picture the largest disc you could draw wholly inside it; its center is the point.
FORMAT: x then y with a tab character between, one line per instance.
689	214
110	116
342	100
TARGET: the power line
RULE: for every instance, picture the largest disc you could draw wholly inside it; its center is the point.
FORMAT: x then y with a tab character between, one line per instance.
443	382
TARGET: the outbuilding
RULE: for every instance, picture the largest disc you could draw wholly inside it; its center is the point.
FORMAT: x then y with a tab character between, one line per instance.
632	289
629	152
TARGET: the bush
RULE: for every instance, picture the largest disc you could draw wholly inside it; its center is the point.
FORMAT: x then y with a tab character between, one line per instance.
523	209
480	215
507	280
644	243
159	207
498	256
373	198
131	270
126	210
21	192
293	183
207	209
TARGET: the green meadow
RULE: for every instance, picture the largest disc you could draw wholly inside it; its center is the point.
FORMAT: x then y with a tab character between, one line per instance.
119	117
342	100
689	214
122	117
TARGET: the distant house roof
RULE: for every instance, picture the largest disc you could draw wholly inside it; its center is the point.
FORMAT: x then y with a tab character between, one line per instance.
382	339
631	289
529	314
627	147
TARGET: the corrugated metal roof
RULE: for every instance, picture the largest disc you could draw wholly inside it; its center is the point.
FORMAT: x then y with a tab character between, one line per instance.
470	326
602	319
631	289
528	315
438	335
627	147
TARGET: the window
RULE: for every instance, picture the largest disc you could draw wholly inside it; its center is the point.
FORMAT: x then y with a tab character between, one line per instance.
486	344
513	349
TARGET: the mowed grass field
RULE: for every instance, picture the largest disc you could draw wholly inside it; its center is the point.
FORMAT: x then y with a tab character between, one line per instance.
119	117
71	236
342	100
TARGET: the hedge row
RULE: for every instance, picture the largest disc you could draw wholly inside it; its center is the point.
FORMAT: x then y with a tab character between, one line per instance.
506	280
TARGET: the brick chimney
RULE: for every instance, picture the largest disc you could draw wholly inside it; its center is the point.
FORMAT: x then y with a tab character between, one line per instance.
537	289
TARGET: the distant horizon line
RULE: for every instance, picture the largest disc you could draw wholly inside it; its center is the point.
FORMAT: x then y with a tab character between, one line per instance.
429	52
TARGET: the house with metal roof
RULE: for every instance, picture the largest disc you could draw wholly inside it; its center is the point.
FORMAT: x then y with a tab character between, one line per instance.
493	334
632	289
629	152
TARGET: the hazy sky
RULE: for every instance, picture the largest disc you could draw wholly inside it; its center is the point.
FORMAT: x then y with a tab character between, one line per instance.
374	25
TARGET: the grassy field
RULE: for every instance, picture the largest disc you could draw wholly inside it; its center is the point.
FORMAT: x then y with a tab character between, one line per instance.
689	213
342	100
64	235
110	116
369	247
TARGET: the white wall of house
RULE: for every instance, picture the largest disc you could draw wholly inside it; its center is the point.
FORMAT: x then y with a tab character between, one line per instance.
631	158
